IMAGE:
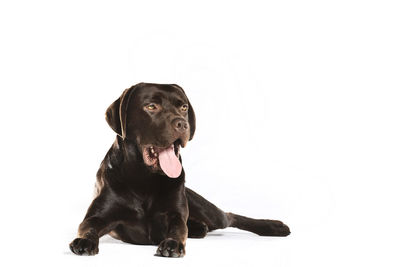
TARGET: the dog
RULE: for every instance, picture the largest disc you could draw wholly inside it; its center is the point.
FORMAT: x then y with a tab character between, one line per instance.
140	195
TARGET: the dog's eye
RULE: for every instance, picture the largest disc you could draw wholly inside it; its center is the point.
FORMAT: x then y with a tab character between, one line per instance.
184	107
151	107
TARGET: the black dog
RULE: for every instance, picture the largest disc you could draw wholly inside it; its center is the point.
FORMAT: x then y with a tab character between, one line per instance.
141	195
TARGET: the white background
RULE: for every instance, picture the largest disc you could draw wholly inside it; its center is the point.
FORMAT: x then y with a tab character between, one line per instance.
297	106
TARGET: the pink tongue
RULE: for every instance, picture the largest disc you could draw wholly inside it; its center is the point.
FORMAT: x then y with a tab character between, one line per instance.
170	163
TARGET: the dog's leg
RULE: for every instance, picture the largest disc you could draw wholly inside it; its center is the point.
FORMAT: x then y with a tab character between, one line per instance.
99	220
196	229
201	210
174	244
261	227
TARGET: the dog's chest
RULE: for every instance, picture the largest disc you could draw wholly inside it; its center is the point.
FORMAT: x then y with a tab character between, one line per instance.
143	207
146	222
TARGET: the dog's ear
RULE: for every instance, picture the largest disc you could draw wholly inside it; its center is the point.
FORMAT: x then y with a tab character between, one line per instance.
192	121
112	116
116	113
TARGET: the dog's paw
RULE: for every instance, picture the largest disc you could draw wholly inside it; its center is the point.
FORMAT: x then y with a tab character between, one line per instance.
171	248
278	228
197	229
83	246
270	228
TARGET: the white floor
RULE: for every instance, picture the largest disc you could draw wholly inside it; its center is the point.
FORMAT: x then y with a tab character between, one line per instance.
229	247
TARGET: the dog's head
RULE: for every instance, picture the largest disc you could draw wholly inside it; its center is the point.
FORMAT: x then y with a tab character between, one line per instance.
159	119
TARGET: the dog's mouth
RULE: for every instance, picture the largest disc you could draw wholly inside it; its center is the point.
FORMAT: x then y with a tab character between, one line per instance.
166	158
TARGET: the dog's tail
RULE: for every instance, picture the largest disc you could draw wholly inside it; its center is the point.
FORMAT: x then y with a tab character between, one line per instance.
258	226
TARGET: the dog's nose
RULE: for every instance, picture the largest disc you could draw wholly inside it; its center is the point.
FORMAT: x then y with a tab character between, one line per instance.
180	125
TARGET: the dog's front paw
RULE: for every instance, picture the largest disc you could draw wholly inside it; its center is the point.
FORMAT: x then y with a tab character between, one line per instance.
171	248
83	246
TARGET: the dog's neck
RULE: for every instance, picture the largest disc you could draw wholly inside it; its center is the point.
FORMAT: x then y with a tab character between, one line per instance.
130	150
